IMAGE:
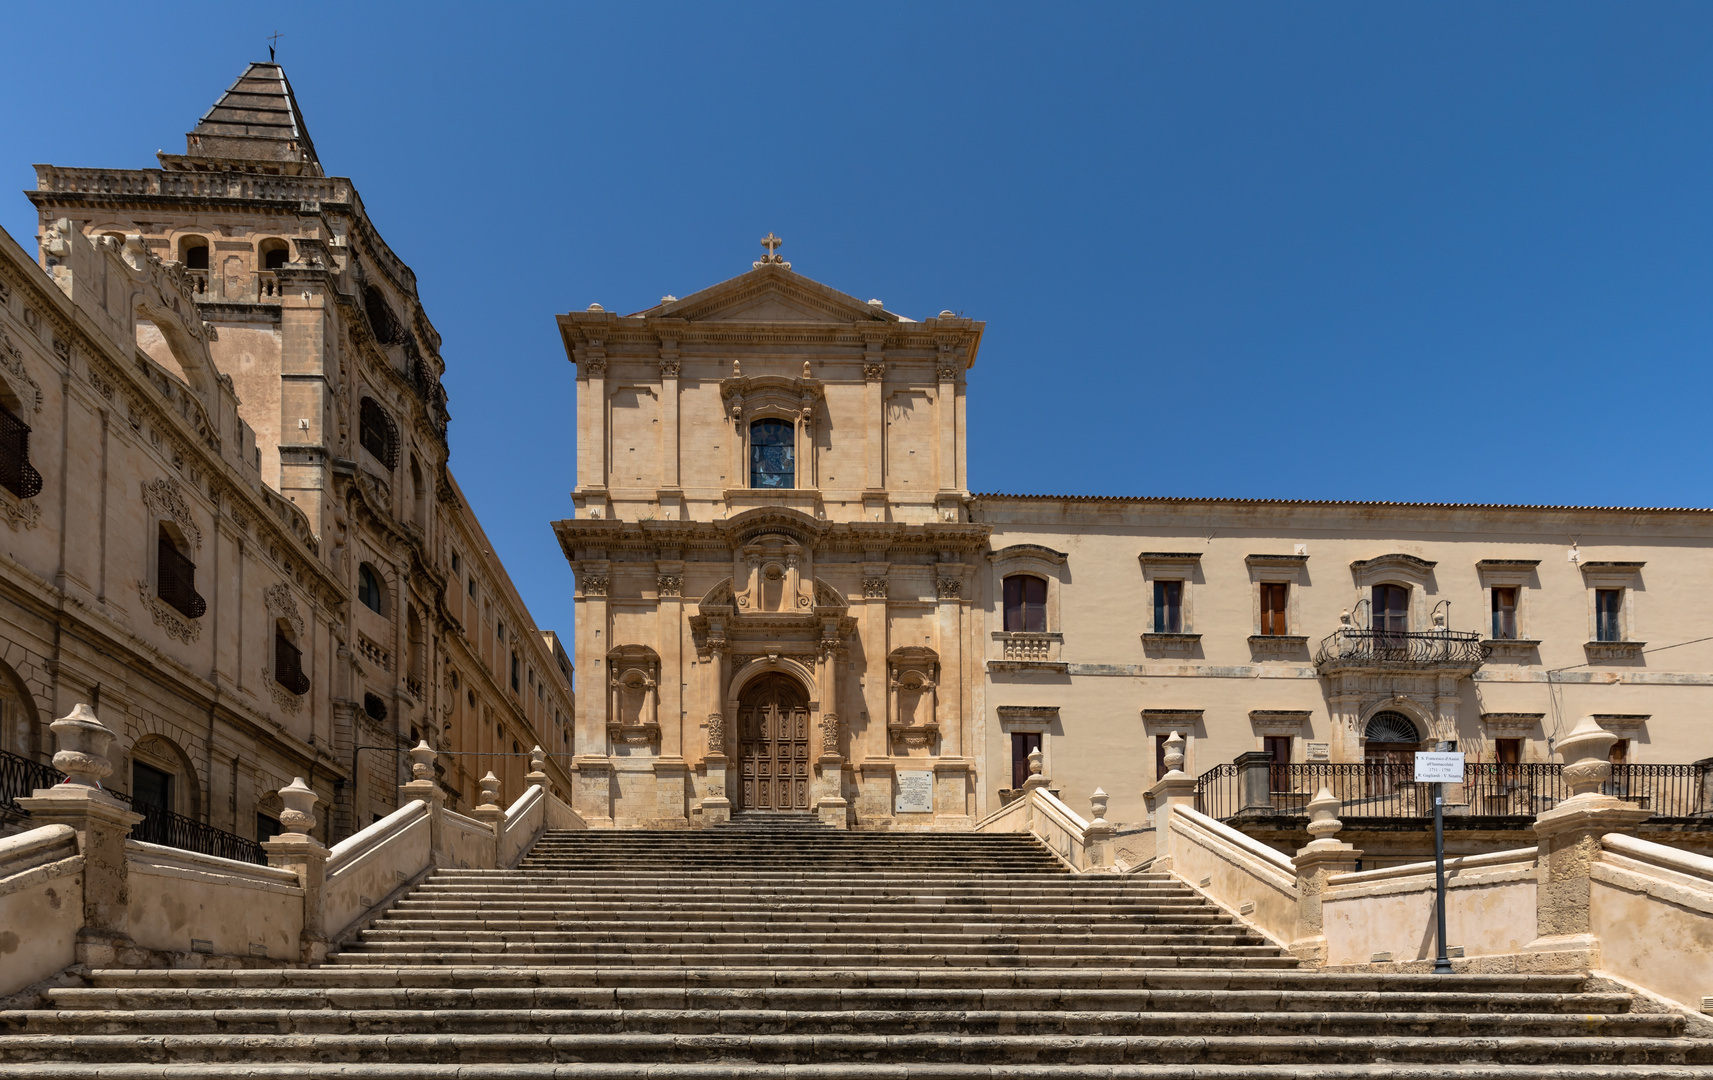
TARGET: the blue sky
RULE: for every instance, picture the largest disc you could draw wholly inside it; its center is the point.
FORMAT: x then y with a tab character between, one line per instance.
1456	252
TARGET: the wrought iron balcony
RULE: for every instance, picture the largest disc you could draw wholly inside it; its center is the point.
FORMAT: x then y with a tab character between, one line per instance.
1350	648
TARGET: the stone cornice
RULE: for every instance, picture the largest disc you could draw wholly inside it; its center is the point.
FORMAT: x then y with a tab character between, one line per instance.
579	536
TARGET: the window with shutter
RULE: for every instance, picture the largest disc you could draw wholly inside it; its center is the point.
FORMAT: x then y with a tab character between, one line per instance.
1274	622
175	578
1025	604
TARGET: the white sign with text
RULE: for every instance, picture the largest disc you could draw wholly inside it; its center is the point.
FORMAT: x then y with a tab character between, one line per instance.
1439	767
915	792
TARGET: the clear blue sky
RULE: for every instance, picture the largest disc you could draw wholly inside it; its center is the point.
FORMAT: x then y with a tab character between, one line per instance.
1354	251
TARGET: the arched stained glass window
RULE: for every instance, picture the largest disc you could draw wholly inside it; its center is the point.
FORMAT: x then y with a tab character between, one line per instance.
772	454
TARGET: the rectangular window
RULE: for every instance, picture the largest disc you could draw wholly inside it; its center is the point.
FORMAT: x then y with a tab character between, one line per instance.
1168	607
266	827
1273	597
1505	614
771	449
1025	604
457	563
288	665
472	587
1608	612
1023	743
514	672
1160	756
175	578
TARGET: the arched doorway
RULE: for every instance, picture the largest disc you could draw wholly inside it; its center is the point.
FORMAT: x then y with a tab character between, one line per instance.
773	745
1389	749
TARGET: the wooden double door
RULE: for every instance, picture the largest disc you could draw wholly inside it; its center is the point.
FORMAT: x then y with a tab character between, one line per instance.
773	745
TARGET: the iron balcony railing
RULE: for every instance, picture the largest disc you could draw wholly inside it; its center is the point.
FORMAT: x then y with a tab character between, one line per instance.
19	776
17	475
1257	788
177	580
1434	648
288	666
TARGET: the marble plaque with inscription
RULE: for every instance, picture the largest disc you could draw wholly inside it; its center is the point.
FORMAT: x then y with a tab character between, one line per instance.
915	792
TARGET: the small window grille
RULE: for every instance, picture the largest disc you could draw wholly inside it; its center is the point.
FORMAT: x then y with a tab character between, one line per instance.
288	665
374	708
17	475
378	434
176	580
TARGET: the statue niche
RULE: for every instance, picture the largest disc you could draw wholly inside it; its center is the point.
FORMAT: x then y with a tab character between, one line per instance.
633	688
913	678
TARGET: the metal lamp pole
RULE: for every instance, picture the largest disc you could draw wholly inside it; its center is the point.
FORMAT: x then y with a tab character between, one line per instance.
1442	963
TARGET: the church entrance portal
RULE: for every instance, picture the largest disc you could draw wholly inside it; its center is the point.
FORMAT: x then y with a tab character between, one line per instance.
773	745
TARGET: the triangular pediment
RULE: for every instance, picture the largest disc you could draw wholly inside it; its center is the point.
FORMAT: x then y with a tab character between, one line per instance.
770	293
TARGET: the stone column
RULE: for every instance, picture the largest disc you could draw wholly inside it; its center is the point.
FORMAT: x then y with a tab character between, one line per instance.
716	806
1171	792
874	430
830	803
1568	837
102	824
424	786
670	490
490	813
301	853
949	585
1323	857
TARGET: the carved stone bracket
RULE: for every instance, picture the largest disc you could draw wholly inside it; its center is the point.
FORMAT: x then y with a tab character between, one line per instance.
186	630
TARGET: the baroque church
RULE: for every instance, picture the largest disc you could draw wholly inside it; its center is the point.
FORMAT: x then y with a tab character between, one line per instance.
788	599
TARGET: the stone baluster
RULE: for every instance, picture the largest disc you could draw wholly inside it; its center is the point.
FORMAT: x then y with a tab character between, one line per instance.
1324	856
1568	838
1097	838
296	850
424	786
1174	791
102	823
489	812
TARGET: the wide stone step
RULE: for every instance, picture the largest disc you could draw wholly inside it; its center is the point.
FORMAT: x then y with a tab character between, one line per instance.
995	1050
644	957
859	1071
280	998
855	977
231	1020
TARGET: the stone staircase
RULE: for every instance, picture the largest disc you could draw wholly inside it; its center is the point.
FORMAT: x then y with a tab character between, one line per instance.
777	947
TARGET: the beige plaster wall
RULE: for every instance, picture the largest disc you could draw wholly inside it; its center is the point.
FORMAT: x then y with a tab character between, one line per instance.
1111	675
179	898
41	905
1490	909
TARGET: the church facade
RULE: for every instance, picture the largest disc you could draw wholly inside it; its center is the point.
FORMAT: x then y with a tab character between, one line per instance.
789	600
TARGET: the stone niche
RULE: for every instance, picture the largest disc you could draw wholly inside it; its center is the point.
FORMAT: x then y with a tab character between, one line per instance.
633	706
912	699
773	575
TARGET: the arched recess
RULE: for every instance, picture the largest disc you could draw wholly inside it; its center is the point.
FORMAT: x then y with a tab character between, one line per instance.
775	743
1392	732
21	730
157	298
158	754
765	665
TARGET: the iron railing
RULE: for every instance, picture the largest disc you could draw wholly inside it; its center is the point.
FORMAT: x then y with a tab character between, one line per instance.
17	475
1451	648
288	665
1489	790
177	580
19	776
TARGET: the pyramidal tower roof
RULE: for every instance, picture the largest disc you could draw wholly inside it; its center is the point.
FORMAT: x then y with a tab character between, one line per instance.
256	125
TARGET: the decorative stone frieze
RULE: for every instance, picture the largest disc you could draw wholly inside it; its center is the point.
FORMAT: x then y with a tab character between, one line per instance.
166	499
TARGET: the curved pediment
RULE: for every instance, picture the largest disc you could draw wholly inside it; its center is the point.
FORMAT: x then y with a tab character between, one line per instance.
762	520
720	596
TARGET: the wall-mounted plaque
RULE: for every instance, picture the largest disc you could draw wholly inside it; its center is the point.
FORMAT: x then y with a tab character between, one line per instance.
915	792
1319	751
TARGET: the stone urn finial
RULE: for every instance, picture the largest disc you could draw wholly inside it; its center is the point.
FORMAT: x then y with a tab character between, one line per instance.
1174	753
537	760
422	761
490	785
82	741
1587	766
1035	762
1097	805
299	813
1323	816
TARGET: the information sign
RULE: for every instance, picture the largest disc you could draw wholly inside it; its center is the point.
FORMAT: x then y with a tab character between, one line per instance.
1439	767
915	792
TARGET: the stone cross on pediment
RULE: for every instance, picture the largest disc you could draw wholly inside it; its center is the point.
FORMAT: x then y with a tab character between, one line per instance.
771	243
